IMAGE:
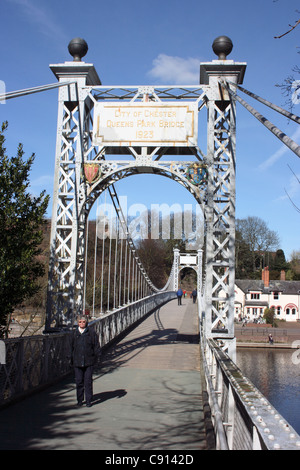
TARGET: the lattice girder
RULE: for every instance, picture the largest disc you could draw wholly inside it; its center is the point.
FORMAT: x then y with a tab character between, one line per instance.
220	221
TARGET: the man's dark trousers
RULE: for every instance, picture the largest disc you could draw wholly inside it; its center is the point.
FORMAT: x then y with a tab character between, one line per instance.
84	383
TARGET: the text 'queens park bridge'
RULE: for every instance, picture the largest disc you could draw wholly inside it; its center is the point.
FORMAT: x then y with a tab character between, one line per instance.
143	125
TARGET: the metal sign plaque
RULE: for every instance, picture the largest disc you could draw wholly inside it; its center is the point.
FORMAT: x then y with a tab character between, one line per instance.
145	124
188	260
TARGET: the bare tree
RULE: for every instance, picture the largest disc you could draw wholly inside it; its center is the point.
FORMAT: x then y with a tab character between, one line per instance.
287	32
259	238
290	86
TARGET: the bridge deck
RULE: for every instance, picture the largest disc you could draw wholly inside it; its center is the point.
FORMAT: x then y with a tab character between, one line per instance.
147	395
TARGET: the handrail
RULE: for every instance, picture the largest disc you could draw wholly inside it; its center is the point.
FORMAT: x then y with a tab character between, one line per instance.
221	439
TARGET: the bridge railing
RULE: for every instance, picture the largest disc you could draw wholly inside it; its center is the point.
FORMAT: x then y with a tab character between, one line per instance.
33	362
111	325
243	418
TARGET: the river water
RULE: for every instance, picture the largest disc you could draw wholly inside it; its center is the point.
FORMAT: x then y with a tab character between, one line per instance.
276	373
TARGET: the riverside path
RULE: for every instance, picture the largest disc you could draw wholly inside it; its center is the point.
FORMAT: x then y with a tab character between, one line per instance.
148	395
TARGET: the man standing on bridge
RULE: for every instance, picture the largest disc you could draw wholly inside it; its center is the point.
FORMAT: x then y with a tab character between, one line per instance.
85	350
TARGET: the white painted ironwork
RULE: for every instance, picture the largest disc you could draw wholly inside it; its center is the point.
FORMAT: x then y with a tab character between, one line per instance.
84	170
220	204
188	260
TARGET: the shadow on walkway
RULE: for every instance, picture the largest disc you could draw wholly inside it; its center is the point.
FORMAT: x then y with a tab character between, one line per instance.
147	395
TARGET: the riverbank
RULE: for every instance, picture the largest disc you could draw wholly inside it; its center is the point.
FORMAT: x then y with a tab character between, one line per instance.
244	344
286	335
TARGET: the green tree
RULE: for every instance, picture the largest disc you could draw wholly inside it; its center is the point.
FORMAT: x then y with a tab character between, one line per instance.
294	271
243	258
278	264
269	316
21	221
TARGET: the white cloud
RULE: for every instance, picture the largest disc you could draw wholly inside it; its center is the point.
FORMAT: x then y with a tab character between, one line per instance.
42	180
279	153
40	183
292	190
175	70
294	187
41	17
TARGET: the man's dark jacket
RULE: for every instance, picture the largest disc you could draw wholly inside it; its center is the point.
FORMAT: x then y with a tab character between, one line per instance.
85	348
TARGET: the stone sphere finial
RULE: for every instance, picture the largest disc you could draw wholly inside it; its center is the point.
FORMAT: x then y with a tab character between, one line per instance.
77	48
222	46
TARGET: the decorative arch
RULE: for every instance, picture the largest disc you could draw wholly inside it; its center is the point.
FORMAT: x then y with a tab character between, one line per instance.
112	171
291	306
181	268
93	190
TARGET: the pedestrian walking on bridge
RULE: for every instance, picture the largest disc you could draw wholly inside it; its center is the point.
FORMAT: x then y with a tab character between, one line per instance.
179	295
85	353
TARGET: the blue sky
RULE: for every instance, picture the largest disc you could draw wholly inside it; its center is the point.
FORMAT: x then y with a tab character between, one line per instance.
160	42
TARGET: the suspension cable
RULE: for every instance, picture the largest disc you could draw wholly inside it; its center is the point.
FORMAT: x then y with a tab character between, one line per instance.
85	268
129	267
125	274
269	125
29	91
95	263
121	217
115	265
273	106
120	272
102	263
109	264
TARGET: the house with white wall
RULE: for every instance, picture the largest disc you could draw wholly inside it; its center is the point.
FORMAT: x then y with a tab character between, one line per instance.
253	296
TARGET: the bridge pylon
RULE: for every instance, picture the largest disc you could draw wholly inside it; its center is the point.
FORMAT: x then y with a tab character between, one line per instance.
220	203
68	227
188	260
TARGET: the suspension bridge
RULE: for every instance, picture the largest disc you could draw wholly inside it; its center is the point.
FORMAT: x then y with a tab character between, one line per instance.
162	363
